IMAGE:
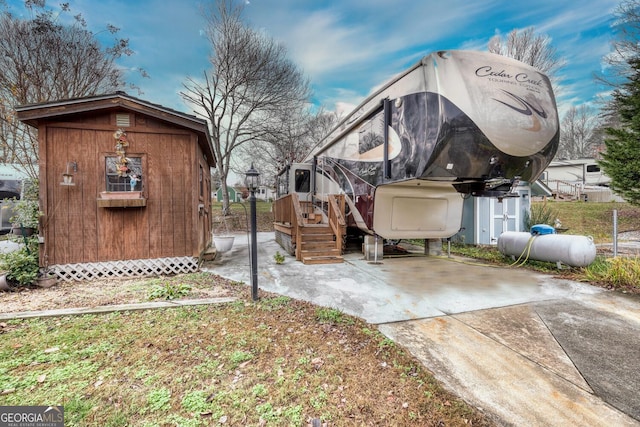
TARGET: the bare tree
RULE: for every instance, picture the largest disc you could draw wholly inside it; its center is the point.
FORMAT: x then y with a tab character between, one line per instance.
42	60
530	48
625	46
578	137
249	89
297	133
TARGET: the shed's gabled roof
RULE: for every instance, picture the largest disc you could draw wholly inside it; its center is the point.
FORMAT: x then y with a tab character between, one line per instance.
33	114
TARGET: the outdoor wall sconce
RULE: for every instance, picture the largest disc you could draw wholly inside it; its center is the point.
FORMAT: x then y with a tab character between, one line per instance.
67	177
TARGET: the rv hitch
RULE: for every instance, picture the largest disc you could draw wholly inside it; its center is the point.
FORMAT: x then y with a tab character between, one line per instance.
496	188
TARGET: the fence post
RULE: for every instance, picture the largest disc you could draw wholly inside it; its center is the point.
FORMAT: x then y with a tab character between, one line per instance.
615	232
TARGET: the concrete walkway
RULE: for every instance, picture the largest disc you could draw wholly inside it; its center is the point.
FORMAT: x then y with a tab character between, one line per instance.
526	348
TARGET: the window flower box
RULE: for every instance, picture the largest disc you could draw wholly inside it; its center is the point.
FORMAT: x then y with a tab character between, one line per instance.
121	199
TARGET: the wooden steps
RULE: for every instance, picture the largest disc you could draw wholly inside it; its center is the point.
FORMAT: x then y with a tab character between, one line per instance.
315	236
322	260
319	245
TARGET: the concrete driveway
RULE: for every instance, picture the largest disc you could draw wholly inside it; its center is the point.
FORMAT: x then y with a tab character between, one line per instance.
526	348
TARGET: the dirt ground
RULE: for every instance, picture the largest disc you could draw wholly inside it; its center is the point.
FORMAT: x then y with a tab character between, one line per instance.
97	293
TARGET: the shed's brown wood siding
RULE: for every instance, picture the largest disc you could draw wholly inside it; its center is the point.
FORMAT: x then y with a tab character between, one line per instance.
77	230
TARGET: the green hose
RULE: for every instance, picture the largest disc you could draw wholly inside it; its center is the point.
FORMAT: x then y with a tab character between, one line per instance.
527	250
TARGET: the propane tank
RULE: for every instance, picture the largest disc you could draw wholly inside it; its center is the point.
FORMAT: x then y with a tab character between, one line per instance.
576	251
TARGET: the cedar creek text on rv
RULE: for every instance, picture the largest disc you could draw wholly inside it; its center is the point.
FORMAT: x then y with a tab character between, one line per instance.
487	71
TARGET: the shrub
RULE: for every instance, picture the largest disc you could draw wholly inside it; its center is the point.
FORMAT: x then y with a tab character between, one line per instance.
21	266
541	213
278	257
27	211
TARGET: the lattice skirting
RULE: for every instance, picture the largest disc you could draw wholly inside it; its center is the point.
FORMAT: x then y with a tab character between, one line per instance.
128	268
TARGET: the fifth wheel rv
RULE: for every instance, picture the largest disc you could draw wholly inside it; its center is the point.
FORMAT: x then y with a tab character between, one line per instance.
457	123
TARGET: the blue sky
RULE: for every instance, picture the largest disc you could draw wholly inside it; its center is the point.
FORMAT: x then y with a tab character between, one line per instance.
347	47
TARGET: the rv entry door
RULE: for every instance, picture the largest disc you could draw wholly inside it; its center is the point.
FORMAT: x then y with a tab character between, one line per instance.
300	181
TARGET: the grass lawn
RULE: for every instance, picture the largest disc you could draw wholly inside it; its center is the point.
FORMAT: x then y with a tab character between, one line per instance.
239	218
261	206
276	362
595	219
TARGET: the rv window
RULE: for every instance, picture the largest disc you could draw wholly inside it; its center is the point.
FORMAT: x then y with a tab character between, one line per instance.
122	181
593	168
371	134
303	181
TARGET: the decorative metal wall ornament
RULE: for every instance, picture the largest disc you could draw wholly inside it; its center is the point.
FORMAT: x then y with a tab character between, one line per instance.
121	143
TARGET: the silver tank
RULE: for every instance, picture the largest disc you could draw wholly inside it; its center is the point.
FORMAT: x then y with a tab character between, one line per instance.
572	250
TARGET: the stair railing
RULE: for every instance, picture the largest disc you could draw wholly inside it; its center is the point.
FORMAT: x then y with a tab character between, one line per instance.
335	215
564	187
297	223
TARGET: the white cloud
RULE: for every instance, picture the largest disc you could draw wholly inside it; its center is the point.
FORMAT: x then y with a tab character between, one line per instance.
349	47
320	44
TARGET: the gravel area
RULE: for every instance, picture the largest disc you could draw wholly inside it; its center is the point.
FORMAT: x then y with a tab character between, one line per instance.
628	245
630	236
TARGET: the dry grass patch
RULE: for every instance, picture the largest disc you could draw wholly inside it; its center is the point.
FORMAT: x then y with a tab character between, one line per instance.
615	273
112	292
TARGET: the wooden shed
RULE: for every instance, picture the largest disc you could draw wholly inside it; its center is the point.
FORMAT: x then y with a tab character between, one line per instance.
125	187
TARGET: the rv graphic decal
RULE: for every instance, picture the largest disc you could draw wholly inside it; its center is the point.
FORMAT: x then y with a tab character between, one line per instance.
527	109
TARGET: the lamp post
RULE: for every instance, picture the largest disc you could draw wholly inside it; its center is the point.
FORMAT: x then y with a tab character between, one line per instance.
252	181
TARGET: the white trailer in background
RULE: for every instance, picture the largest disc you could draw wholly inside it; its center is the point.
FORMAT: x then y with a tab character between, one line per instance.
584	171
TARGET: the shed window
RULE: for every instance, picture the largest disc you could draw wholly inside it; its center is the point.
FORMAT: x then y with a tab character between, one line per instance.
130	180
